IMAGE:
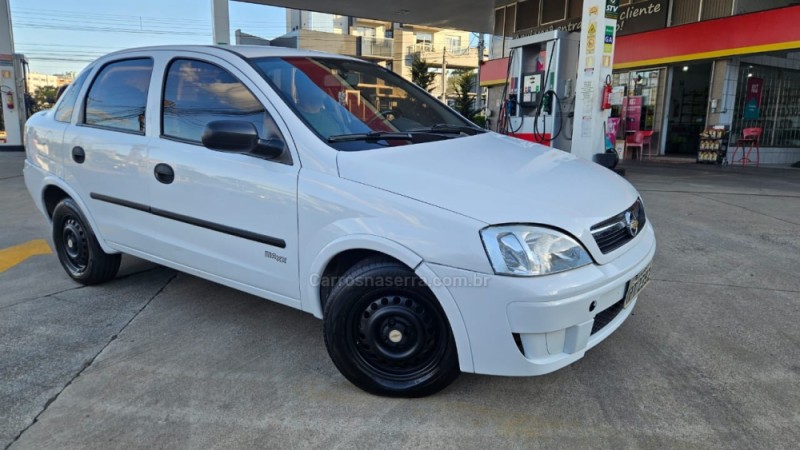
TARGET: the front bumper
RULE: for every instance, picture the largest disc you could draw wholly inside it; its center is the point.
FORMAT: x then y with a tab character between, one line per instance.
532	326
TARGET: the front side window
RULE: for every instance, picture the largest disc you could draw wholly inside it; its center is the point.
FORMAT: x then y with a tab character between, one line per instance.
67	103
198	92
339	97
118	96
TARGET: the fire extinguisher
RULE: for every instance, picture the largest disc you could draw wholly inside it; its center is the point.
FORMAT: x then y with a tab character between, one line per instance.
607	89
10	99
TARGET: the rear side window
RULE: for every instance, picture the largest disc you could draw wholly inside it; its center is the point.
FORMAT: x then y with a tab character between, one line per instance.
198	92
118	96
67	103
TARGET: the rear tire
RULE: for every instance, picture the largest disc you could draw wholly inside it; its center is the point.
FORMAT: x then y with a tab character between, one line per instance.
386	332
76	245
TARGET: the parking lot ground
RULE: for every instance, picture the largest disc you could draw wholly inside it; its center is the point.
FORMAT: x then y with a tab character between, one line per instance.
710	358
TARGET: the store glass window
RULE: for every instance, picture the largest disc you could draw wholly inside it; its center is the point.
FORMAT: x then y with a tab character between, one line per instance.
778	113
642	93
554	11
528	15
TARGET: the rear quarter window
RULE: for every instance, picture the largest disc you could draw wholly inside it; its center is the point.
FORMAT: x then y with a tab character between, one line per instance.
67	103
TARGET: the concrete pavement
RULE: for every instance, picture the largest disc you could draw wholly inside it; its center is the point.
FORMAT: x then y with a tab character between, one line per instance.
159	359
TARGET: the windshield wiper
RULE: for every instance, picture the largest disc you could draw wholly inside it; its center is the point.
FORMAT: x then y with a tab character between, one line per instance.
372	136
447	128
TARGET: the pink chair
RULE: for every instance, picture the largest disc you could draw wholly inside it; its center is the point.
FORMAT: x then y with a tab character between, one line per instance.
647	138
750	140
639	139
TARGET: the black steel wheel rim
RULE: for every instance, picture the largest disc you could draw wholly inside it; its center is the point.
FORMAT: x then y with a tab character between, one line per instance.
74	245
398	337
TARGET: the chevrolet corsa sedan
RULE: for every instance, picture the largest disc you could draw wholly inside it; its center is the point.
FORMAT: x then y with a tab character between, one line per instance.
428	246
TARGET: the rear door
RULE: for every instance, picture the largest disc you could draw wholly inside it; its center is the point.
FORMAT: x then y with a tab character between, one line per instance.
233	216
106	149
46	142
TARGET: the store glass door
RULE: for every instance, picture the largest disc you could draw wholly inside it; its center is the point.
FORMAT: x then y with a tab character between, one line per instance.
688	106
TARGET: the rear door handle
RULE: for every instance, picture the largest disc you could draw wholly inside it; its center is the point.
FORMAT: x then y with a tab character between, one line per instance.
78	155
164	173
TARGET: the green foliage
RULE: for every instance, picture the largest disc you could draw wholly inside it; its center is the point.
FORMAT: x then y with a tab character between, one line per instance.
463	86
44	98
480	121
421	74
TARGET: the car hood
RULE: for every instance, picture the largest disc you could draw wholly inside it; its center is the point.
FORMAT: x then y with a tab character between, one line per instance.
497	180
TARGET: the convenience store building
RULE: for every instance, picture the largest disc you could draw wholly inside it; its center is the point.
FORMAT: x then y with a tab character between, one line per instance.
687	65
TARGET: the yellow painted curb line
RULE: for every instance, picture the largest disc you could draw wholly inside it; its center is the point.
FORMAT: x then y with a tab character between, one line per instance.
11	256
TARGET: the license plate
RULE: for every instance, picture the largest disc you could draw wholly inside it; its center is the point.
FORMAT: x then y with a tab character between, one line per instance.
636	285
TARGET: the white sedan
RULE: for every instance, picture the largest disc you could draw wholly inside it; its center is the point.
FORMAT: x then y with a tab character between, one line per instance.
427	245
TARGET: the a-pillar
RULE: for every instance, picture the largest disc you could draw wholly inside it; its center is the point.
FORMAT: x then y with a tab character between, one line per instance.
598	36
11	86
221	23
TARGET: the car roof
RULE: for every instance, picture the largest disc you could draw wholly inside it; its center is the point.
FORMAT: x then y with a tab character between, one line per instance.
246	51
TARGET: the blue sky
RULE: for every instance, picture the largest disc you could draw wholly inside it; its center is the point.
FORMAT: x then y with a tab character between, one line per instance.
59	36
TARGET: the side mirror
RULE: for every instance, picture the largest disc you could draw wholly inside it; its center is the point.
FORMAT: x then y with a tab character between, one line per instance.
239	136
235	136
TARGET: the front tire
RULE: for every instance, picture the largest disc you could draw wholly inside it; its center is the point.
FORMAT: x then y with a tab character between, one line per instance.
76	245
386	332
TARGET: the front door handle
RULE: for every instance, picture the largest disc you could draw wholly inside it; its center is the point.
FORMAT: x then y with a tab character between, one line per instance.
78	155
164	173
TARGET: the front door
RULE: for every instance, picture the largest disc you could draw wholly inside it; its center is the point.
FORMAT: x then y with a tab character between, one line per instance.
232	216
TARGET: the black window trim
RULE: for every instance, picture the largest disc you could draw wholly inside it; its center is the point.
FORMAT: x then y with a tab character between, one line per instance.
82	120
167	66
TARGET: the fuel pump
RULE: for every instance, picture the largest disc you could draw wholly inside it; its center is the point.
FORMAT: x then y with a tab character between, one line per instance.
542	73
12	84
12	105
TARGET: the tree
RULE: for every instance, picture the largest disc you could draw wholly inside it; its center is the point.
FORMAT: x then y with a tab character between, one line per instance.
421	74
462	84
44	98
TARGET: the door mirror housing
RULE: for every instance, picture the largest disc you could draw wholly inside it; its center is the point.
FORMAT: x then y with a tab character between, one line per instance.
240	136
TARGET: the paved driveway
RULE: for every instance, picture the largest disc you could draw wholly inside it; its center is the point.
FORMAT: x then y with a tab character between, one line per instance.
155	358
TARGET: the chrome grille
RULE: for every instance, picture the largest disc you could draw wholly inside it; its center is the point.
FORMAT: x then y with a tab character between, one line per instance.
617	231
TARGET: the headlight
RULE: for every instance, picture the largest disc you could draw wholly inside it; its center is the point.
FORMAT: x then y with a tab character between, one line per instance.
530	251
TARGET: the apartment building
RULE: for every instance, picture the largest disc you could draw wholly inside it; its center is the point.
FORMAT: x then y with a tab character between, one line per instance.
389	44
39	80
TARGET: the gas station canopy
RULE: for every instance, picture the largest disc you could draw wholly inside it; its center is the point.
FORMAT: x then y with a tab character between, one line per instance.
468	15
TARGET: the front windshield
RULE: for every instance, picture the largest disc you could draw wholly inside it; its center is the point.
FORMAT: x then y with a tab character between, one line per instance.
338	97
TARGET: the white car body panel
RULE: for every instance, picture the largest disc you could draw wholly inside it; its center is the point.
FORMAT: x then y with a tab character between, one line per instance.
422	204
498	180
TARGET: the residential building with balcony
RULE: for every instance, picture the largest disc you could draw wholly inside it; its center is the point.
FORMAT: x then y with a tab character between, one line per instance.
389	44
